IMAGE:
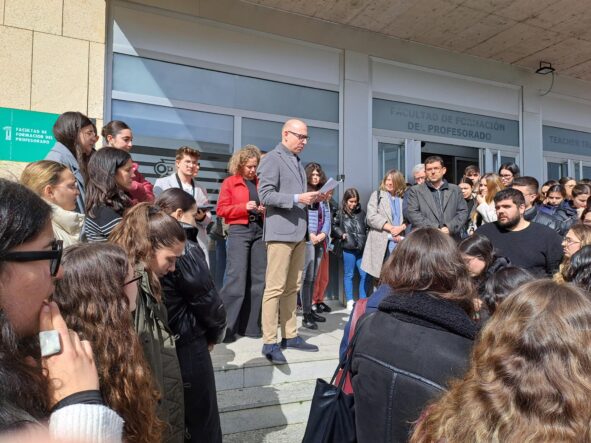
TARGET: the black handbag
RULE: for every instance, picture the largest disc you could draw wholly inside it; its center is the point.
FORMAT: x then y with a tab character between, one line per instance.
332	412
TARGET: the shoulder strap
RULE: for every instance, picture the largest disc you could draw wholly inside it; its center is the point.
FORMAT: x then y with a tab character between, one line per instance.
346	364
359	310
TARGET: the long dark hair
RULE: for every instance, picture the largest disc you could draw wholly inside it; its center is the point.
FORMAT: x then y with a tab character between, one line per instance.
93	302
102	187
428	260
501	283
579	271
347	195
23	216
66	130
144	229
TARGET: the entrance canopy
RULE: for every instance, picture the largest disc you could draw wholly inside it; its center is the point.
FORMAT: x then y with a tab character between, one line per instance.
518	32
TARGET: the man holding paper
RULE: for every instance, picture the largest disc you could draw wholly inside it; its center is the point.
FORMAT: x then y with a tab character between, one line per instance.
282	190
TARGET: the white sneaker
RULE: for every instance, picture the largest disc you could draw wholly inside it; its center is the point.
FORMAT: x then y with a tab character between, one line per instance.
350	305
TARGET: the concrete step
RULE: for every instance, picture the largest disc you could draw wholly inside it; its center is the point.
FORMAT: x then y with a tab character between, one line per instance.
280	434
262	407
240	364
259	401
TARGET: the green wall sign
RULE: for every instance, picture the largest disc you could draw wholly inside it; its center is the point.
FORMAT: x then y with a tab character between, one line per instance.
26	135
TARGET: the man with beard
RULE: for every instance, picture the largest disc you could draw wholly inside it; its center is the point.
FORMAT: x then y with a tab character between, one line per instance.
529	245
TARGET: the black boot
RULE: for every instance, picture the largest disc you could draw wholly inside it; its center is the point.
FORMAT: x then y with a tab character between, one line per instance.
308	322
318	318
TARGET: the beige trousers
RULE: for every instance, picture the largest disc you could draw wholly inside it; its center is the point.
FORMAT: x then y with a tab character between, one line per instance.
285	265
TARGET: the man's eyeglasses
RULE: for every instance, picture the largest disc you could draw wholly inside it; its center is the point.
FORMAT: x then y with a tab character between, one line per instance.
54	256
136	277
300	137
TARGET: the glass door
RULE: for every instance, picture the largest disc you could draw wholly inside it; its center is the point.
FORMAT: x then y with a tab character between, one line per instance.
391	154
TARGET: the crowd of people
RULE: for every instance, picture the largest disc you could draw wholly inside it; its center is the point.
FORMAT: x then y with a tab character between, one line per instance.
475	295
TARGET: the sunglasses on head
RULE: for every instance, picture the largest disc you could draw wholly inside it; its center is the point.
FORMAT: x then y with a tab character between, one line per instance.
54	256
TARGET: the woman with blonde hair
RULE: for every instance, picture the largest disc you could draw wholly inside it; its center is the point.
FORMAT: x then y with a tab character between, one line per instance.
96	295
489	185
578	235
385	221
55	183
529	378
241	208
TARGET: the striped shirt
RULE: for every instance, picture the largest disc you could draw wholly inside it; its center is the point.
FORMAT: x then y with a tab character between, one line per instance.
98	228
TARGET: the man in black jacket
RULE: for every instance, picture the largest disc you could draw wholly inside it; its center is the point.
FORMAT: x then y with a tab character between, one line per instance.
529	186
436	203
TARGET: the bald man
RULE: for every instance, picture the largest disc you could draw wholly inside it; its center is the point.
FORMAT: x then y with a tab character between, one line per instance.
282	190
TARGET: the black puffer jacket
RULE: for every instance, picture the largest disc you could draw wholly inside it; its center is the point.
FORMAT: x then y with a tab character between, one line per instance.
552	221
404	357
354	226
194	306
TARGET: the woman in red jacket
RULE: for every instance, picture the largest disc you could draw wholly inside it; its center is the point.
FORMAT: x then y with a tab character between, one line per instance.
239	205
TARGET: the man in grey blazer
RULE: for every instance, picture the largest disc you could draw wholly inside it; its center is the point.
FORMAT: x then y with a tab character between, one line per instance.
282	190
436	203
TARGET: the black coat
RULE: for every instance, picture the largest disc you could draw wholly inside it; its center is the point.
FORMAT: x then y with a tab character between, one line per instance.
354	226
560	226
194	306
404	357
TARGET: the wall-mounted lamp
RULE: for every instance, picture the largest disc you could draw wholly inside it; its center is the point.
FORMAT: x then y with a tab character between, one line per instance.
545	68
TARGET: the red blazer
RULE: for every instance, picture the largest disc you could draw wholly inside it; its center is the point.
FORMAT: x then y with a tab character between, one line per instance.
232	200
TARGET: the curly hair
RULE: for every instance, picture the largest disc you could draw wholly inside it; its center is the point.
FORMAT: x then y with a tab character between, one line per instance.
92	300
583	233
239	159
144	229
529	378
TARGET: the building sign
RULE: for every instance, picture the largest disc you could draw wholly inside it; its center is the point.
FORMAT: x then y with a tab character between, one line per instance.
26	135
566	141
406	117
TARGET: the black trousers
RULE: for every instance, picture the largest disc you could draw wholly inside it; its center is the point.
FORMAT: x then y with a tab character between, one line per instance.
202	419
246	264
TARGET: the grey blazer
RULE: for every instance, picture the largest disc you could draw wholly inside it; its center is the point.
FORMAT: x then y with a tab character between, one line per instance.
61	154
279	181
422	211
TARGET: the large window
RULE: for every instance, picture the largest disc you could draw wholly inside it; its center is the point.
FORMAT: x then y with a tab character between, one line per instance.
321	148
190	84
169	105
159	131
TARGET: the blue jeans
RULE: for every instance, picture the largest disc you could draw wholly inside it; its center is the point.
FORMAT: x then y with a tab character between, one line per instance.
352	260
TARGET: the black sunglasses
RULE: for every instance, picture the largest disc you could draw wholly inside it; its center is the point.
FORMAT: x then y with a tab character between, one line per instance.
54	256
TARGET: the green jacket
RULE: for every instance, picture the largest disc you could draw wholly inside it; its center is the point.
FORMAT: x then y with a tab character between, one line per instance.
151	324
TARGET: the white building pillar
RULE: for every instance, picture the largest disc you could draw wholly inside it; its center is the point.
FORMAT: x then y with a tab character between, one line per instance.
533	150
357	125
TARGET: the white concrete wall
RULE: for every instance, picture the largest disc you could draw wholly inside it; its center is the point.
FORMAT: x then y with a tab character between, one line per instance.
147	32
